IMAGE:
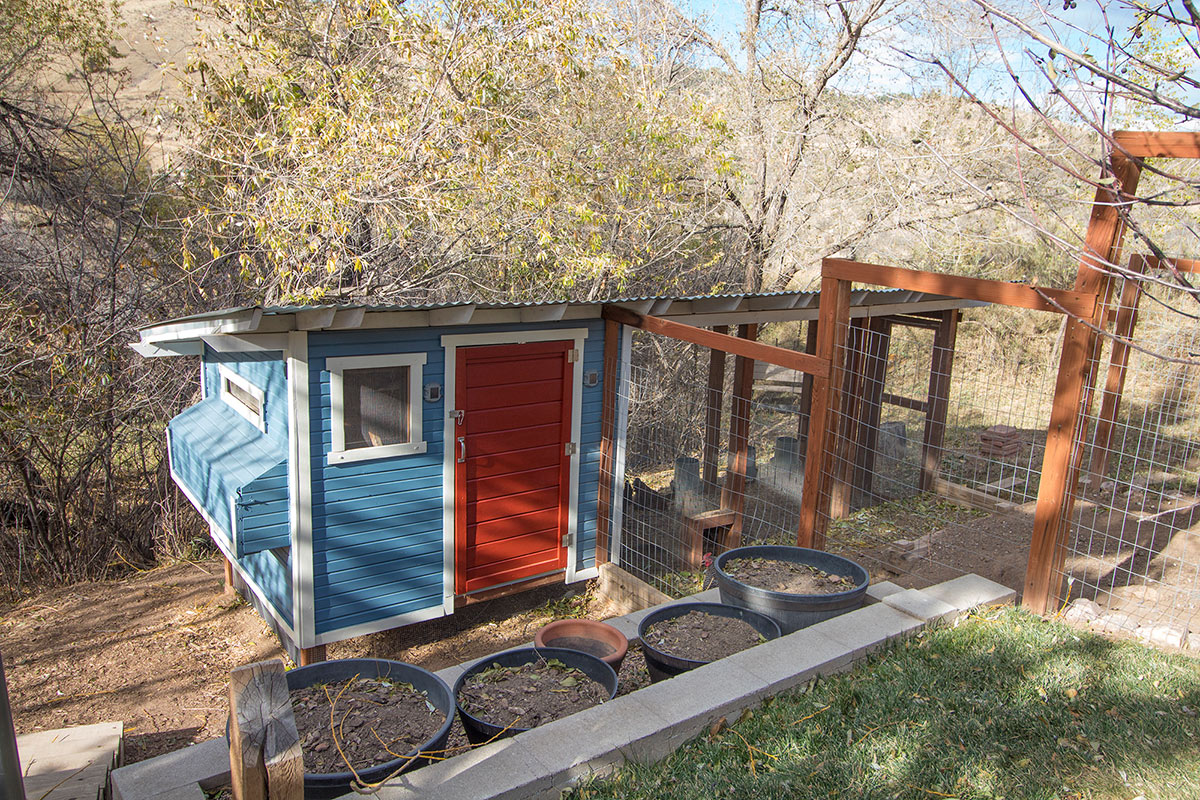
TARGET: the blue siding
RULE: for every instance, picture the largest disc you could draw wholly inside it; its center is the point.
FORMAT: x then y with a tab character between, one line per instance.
228	464
377	525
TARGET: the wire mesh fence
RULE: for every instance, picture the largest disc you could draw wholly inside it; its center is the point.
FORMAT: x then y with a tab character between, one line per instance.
934	459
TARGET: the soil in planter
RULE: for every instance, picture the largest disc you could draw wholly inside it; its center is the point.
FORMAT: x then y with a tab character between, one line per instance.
529	695
787	576
701	637
376	719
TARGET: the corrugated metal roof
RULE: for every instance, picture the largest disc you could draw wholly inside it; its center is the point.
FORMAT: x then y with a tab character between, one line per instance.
755	301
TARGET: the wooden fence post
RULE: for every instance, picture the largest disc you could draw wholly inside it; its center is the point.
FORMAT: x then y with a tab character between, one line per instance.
265	759
1060	464
714	401
733	497
608	417
835	315
937	402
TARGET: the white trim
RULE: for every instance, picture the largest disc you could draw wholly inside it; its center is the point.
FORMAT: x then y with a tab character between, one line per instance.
219	541
167	349
620	435
362	629
338	454
585	574
249	343
451	343
300	488
256	418
240	321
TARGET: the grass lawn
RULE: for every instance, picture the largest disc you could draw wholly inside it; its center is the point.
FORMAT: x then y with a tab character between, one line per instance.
1005	705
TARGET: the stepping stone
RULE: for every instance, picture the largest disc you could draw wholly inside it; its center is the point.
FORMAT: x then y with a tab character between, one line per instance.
70	763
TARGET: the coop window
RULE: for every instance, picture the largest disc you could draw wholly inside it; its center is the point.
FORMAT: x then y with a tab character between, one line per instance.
375	408
243	397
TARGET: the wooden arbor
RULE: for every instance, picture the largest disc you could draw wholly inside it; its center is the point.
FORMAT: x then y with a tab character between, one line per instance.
1087	310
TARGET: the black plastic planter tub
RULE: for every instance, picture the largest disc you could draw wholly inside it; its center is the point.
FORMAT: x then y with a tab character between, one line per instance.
792	611
662	665
480	730
324	785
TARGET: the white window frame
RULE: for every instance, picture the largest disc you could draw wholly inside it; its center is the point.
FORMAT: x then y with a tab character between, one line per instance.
257	419
338	454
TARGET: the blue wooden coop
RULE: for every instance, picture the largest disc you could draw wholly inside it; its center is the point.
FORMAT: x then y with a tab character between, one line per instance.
363	468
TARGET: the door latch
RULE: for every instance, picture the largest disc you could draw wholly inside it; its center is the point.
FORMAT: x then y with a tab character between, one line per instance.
457	416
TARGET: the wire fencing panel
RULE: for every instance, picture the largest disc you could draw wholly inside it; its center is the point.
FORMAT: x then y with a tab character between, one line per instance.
934	459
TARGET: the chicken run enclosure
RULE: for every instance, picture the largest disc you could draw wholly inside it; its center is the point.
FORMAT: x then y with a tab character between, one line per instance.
1047	439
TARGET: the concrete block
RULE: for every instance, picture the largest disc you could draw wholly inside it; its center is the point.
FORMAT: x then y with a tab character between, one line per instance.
867	629
793	659
878	591
690	702
595	740
503	770
968	591
921	605
206	763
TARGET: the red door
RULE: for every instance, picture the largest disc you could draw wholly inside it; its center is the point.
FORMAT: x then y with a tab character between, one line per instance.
512	471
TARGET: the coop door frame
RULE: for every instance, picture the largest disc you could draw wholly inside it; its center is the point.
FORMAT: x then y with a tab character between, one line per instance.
450	344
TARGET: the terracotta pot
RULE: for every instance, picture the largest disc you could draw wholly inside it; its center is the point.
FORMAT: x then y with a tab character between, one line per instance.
587	636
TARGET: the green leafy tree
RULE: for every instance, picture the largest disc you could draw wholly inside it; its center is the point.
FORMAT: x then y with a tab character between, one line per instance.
468	149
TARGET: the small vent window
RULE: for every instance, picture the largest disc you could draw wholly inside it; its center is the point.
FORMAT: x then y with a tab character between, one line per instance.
375	410
243	397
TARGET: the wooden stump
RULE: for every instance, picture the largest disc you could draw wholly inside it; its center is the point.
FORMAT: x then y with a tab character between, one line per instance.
265	759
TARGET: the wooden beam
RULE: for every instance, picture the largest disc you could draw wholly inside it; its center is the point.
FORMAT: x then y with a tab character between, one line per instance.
835	317
806	390
733	496
265	758
230	589
938	402
714	401
1118	365
904	402
1158	144
1009	294
1056	490
608	417
753	350
1156	263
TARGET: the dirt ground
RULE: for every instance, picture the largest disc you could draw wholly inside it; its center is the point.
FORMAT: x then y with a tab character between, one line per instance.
155	650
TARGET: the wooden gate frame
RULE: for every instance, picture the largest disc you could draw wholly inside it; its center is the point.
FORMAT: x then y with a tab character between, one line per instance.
1087	311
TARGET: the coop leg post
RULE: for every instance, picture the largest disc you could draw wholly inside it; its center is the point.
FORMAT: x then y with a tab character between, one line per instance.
230	588
312	655
938	401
